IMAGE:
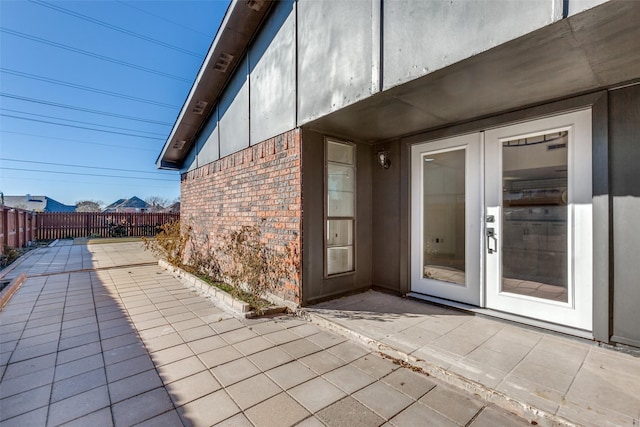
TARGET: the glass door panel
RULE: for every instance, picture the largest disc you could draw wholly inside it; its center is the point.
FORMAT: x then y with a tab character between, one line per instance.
444	216
538	219
534	216
446	200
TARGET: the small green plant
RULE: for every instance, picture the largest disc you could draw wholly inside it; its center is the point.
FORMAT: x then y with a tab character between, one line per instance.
170	243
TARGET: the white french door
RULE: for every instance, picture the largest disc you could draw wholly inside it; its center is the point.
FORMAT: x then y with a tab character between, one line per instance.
502	219
538	228
446	218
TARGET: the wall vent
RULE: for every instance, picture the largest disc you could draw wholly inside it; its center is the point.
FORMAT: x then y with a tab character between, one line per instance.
199	108
255	4
223	62
179	145
556	146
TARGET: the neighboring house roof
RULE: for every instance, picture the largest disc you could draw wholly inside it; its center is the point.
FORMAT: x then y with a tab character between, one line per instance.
131	203
134	202
114	204
173	208
37	204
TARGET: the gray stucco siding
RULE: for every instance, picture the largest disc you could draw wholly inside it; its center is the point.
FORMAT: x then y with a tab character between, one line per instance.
272	64
624	128
334	55
233	111
190	161
421	37
577	6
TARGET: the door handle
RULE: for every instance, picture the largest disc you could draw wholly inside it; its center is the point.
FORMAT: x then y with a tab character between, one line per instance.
491	238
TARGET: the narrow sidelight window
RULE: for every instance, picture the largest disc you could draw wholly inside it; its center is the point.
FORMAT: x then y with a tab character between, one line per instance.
340	185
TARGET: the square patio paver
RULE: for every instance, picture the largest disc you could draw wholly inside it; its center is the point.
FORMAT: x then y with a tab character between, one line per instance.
21	403
300	348
383	399
279	410
253	390
454	405
322	362
219	356
253	345
316	394
129	367
492	416
413	384
235	371
348	351
78	384
171	354
193	387
209	409
269	359
141	407
348	412
349	378
26	382
101	417
78	405
418	414
238	335
291	374
136	384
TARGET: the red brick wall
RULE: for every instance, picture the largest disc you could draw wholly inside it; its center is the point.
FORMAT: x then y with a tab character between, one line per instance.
259	185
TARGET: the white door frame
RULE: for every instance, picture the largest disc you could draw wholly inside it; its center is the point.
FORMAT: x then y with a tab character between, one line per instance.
470	292
577	312
483	270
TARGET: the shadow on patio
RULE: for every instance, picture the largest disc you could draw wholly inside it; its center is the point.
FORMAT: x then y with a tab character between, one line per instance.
77	340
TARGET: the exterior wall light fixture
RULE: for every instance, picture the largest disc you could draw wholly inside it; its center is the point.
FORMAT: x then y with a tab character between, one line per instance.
383	159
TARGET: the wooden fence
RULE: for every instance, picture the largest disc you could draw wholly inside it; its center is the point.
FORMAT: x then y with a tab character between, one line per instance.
62	225
17	227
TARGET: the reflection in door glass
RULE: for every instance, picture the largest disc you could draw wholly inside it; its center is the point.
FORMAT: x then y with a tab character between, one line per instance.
534	237
444	216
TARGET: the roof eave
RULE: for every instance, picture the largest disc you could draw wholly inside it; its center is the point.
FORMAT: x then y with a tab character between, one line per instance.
240	24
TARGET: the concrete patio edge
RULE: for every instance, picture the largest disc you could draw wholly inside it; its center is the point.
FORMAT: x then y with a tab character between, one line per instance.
226	301
8	269
8	292
525	410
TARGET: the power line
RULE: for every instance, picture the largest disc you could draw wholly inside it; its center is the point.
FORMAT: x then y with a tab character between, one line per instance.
80	127
165	19
93	55
77	166
85	110
116	28
78	121
86	88
126	147
102	184
88	174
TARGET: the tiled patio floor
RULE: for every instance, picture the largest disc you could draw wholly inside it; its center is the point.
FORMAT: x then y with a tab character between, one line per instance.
564	376
86	341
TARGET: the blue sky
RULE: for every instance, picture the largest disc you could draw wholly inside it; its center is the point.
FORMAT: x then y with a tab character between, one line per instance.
113	75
